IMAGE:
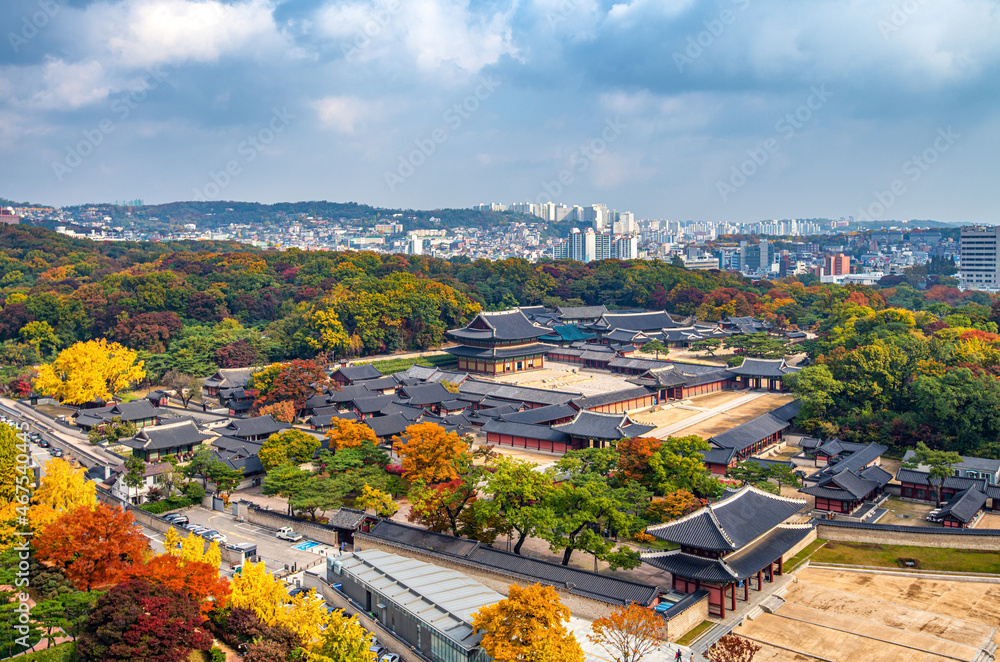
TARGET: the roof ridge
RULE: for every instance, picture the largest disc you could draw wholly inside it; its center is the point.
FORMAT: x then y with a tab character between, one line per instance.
718	525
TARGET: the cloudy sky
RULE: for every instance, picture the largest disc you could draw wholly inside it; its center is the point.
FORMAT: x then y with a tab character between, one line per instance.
681	109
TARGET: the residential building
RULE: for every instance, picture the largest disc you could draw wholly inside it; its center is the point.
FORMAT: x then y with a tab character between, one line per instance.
837	264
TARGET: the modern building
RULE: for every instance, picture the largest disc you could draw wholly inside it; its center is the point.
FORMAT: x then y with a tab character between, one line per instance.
979	267
499	342
727	545
837	264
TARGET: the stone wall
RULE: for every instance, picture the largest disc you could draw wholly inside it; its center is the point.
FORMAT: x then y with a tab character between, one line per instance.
683	622
909	535
495	579
787	556
275	520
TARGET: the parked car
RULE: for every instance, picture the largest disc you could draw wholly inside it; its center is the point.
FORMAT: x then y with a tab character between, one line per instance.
179	520
286	533
213	536
35	437
378	649
389	657
197	528
43	444
57	452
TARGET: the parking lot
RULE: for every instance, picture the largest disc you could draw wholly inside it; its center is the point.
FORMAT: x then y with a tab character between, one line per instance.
275	553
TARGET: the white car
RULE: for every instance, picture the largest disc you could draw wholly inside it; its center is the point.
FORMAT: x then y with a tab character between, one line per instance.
389	657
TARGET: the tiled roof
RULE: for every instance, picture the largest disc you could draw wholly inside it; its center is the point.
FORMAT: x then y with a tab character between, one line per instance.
170	435
857	460
501	325
749	433
604	588
516	393
354	373
532	349
408	412
347	518
610	398
915	477
648	321
387	426
230	377
379	383
322	420
348	393
968	462
526	430
135	410
541	415
593	425
373	403
426	394
730	523
763	368
581	312
787	412
965	505
252	427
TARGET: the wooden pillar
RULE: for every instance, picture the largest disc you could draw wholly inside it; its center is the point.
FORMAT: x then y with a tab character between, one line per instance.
722	604
759	586
746	589
732	603
781	569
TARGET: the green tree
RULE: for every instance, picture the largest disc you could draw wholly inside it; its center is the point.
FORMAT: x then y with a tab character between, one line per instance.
752	473
655	346
679	465
710	346
816	388
288	446
938	463
135	472
516	489
284	480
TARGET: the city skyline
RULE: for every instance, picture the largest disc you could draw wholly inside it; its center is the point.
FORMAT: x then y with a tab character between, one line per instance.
731	110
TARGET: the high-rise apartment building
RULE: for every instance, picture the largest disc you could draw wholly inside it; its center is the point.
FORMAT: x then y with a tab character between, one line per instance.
587	246
837	265
979	268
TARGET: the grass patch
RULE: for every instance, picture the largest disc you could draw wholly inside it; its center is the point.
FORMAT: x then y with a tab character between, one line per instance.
800	558
61	653
174	502
389	366
695	632
925	558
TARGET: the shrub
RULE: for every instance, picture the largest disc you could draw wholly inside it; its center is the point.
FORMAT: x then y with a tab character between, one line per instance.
173	503
218	655
193	490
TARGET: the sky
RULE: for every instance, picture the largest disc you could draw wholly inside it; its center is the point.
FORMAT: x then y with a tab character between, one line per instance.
735	110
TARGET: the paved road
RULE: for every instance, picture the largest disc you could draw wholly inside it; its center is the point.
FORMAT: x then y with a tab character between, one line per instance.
71	442
705	414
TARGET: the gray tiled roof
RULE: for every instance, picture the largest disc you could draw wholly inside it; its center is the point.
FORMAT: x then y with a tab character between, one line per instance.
649	321
170	435
354	373
749	433
610	398
426	394
965	505
252	427
373	403
387	426
135	410
322	420
379	383
905	475
763	368
730	523
526	430
532	349
501	325
581	312
541	415
593	425
516	393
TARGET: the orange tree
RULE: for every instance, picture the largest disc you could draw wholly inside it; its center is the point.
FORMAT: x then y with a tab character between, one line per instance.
283	411
431	455
629	633
633	458
348	434
199	580
732	648
529	625
94	547
674	505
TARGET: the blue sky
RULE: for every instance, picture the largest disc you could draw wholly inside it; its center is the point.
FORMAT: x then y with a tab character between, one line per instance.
721	110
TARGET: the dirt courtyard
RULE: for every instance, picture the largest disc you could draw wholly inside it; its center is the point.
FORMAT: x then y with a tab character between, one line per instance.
736	416
839	615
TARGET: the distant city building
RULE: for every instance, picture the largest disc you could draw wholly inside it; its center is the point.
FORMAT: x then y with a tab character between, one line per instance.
587	246
8	216
837	265
416	245
979	268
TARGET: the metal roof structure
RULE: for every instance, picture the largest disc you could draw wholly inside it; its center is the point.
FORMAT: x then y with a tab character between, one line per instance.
444	599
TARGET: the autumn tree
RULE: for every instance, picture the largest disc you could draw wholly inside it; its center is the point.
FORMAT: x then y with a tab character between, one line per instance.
259	591
634	454
529	623
280	411
138	621
516	491
295	381
629	633
306	616
199	580
349	434
287	447
93	547
88	371
450	506
732	648
377	500
344	640
64	487
431	455
187	387
673	506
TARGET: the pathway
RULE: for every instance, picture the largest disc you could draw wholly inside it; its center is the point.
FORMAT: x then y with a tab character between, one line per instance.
705	414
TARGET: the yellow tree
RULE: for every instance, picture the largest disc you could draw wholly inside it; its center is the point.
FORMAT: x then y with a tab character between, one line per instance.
526	627
64	487
192	548
90	370
306	616
344	640
629	633
431	455
213	555
377	500
348	434
260	592
170	541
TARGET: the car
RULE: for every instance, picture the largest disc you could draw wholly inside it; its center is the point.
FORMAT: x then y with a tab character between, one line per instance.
180	521
378	649
35	437
172	516
197	528
58	452
389	657
43	444
213	536
286	533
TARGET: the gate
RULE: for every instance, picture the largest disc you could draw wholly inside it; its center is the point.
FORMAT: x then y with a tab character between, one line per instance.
218	504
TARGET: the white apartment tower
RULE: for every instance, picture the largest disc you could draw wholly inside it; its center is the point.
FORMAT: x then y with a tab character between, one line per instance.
979	268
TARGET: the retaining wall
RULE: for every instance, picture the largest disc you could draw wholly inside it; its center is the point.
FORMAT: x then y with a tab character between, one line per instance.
879	534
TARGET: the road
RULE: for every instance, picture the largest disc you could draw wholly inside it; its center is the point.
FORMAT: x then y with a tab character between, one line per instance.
72	443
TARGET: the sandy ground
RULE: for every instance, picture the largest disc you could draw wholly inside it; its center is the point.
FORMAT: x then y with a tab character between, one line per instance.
859	616
736	416
568	377
676	412
988	521
907	513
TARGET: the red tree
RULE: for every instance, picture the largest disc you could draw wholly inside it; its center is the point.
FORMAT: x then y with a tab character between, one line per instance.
198	580
633	457
141	622
95	548
238	354
297	381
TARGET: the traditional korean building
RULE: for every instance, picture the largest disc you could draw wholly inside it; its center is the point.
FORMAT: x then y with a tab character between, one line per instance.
499	342
845	491
590	429
963	510
349	375
141	413
678	382
762	373
154	443
736	543
228	378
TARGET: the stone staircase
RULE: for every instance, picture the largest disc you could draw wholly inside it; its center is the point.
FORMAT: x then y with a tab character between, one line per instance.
771	604
987	653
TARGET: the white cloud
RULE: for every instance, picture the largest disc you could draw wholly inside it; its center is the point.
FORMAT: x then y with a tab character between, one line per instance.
66	86
344	114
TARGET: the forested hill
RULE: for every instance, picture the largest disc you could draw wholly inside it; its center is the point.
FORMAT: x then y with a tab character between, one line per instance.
892	363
